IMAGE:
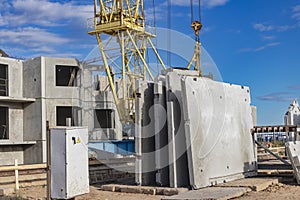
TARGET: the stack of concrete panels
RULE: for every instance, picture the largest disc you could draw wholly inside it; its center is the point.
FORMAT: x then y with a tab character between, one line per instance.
192	131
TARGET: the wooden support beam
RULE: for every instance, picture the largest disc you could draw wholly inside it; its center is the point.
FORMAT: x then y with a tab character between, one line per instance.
16	175
22	167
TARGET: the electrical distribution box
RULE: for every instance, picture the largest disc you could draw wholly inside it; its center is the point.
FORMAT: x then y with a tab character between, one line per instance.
69	162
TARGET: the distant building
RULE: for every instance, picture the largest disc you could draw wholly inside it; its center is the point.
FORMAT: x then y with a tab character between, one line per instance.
43	89
292	117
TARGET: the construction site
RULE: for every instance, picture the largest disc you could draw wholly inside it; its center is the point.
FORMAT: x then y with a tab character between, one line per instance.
111	127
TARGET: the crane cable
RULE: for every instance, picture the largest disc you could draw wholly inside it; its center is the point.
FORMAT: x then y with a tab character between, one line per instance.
154	26
192	11
169	33
199	11
154	13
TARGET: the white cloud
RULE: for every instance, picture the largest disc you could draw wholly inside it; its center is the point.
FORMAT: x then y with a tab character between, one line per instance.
296	12
34	39
4	5
44	12
296	8
273	44
244	50
296	16
278	96
263	28
160	13
205	3
213	3
59	55
269	37
286	27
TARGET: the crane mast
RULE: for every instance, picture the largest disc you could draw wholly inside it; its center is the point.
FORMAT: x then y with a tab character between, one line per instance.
124	20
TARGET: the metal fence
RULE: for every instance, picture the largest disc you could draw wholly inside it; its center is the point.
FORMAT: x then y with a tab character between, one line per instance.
271	137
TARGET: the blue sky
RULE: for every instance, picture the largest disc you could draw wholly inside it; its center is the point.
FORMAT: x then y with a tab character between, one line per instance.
253	42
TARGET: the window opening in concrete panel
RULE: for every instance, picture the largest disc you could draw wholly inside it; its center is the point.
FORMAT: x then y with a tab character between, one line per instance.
66	75
104	118
64	112
3	80
4	134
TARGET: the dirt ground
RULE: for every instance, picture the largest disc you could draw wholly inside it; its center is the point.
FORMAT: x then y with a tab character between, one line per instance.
39	193
276	192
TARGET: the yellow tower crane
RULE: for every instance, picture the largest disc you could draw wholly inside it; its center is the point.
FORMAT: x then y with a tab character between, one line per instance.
124	20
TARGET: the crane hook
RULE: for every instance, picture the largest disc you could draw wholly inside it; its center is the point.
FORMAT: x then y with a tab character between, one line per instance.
196	26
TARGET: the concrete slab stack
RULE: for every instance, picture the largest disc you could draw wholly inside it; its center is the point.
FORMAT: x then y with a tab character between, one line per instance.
197	129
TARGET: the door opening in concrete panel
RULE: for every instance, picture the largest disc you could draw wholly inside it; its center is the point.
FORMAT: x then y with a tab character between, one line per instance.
4	135
66	75
3	80
64	112
104	118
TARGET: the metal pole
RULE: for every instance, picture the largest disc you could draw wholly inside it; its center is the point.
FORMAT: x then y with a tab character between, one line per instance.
140	55
48	163
156	53
123	66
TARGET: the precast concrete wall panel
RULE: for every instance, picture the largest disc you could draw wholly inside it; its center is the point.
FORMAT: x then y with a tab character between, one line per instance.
32	84
161	134
53	91
148	138
293	150
217	118
145	134
8	154
179	159
15	76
